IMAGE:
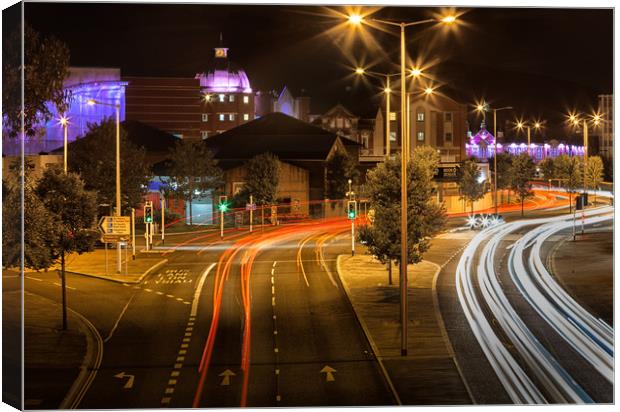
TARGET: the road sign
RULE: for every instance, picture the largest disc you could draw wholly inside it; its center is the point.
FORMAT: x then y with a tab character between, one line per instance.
114	228
250	206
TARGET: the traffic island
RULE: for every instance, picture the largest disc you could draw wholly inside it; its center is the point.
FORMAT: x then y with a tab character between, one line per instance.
97	264
428	375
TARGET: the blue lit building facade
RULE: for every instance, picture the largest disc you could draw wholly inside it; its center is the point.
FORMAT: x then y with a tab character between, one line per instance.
83	83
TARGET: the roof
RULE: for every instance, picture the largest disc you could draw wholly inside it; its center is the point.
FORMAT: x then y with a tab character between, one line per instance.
153	140
284	136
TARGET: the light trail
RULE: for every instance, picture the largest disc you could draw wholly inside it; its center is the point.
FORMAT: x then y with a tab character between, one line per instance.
521	389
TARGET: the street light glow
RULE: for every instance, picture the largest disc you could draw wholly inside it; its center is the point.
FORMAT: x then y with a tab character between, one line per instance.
63	120
416	72
387	90
428	91
537	125
355	19
91	102
448	19
359	70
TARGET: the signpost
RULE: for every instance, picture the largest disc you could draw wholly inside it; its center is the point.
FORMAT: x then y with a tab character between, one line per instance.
251	207
114	229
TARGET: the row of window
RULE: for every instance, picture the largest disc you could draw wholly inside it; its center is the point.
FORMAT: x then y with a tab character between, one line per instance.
447	116
447	136
231	98
222	117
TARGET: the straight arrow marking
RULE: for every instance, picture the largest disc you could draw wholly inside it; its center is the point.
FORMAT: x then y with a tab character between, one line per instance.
226	377
329	373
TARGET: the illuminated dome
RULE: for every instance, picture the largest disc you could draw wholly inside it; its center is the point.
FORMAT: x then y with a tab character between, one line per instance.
225	76
483	136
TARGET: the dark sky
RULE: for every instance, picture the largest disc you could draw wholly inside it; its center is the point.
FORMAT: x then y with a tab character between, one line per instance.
541	61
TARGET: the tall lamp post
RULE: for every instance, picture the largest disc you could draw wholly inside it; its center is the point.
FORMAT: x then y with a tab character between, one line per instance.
484	107
64	122
528	125
357	19
117	107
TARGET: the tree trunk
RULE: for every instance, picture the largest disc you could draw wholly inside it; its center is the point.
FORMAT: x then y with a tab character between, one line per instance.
389	271
570	203
472	207
64	290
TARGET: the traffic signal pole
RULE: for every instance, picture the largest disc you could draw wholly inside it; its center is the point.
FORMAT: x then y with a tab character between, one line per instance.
251	214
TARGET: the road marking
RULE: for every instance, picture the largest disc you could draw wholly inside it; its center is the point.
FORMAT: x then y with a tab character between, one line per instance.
182	352
277	371
119	319
188	334
169	296
174	373
178	365
274	263
129	383
272	280
189	329
276	350
186	339
226	377
184	345
198	291
186	302
273	301
272	269
275	332
169	390
190	323
329	373
37	279
278	398
148	290
165	401
159	293
274	316
59	285
172	382
180	299
180	358
273	291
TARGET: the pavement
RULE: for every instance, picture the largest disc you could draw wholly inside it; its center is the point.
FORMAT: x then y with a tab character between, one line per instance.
585	269
428	374
55	360
95	264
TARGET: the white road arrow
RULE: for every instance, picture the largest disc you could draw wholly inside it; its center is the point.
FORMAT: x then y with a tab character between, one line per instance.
226	374
329	373
129	383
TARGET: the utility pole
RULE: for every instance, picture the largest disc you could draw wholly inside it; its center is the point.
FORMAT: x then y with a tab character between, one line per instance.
251	210
163	205
133	233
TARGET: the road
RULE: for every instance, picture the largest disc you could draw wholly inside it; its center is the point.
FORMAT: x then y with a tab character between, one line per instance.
258	320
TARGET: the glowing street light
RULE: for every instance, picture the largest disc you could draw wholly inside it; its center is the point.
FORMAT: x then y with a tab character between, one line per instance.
416	72
64	122
360	70
428	91
356	19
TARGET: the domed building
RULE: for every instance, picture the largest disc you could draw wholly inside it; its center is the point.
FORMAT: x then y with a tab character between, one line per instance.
228	99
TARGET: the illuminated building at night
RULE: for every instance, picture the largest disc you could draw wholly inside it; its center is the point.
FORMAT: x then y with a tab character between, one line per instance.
283	102
83	83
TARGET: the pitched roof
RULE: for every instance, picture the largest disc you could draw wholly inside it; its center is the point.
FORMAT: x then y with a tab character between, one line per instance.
284	136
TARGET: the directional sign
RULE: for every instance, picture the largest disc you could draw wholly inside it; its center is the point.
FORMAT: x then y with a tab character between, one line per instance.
329	373
130	378
115	225
226	377
250	206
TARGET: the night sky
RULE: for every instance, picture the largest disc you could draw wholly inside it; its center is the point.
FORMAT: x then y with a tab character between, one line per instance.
541	61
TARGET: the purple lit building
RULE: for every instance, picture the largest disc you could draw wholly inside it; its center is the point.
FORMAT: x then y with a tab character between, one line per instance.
482	146
83	83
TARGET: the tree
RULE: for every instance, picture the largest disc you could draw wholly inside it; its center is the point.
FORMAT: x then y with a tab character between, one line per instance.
94	158
40	233
46	62
339	169
73	211
547	167
425	217
470	182
193	172
568	169
522	172
504	162
594	173
262	178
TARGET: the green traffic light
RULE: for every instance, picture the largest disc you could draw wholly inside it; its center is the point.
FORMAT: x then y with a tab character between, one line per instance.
351	214
222	207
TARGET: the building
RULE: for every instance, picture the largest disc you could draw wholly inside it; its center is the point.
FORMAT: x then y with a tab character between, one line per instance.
173	105
83	84
606	109
283	102
228	99
339	120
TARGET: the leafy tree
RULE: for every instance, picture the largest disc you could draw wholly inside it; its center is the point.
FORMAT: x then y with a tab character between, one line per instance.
262	178
46	62
472	188
94	158
425	217
193	172
568	169
504	162
522	172
73	211
547	167
428	158
40	232
594	173
339	169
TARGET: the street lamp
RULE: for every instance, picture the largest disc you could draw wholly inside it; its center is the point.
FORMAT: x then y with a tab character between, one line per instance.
356	19
483	108
537	124
117	107
64	122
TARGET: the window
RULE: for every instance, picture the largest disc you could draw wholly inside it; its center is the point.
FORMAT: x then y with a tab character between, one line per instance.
392	136
231	98
421	136
447	116
448	137
420	116
222	117
231	117
222	98
339	122
205	117
204	134
178	135
246	99
392	115
246	116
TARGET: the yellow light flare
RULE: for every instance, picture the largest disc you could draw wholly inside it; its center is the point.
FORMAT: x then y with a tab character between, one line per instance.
428	91
356	19
416	72
359	70
91	102
448	19
387	90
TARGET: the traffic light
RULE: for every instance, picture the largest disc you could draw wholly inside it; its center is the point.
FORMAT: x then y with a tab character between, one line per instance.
351	209
148	213
223	206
